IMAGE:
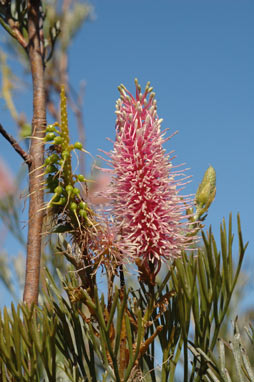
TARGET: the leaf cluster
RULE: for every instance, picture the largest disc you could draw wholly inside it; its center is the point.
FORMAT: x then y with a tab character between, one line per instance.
203	284
89	336
218	369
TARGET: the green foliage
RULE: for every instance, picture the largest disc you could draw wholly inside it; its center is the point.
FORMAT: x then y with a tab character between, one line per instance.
218	369
89	336
27	343
204	283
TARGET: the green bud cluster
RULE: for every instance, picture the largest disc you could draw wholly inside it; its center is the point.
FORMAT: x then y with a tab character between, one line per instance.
60	180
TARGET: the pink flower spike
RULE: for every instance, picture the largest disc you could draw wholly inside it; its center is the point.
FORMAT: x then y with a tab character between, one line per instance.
149	212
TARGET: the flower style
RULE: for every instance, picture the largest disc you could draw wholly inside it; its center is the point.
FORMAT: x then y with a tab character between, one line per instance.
145	198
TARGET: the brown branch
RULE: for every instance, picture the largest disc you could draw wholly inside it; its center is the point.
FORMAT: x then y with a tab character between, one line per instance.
13	30
16	33
36	58
24	155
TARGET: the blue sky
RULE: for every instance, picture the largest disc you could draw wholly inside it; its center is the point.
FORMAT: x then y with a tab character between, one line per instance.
199	57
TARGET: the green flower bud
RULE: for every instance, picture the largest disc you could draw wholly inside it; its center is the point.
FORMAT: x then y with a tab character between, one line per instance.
73	206
49	137
78	146
58	190
83	213
65	154
76	191
81	178
82	205
53	158
50	129
207	187
69	189
205	193
58	140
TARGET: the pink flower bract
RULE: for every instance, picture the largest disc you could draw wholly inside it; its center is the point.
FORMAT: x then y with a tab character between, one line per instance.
144	190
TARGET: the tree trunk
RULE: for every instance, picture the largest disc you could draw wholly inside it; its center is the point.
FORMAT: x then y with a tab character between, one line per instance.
36	58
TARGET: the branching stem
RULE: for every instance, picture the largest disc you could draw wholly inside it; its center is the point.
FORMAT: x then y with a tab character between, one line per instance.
24	155
13	30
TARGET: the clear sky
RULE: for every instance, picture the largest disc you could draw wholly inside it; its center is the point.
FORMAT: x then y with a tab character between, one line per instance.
199	57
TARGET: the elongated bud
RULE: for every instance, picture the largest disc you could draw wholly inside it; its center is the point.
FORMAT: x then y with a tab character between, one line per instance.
206	192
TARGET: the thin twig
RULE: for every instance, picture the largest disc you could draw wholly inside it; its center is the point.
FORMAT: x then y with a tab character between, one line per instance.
24	155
